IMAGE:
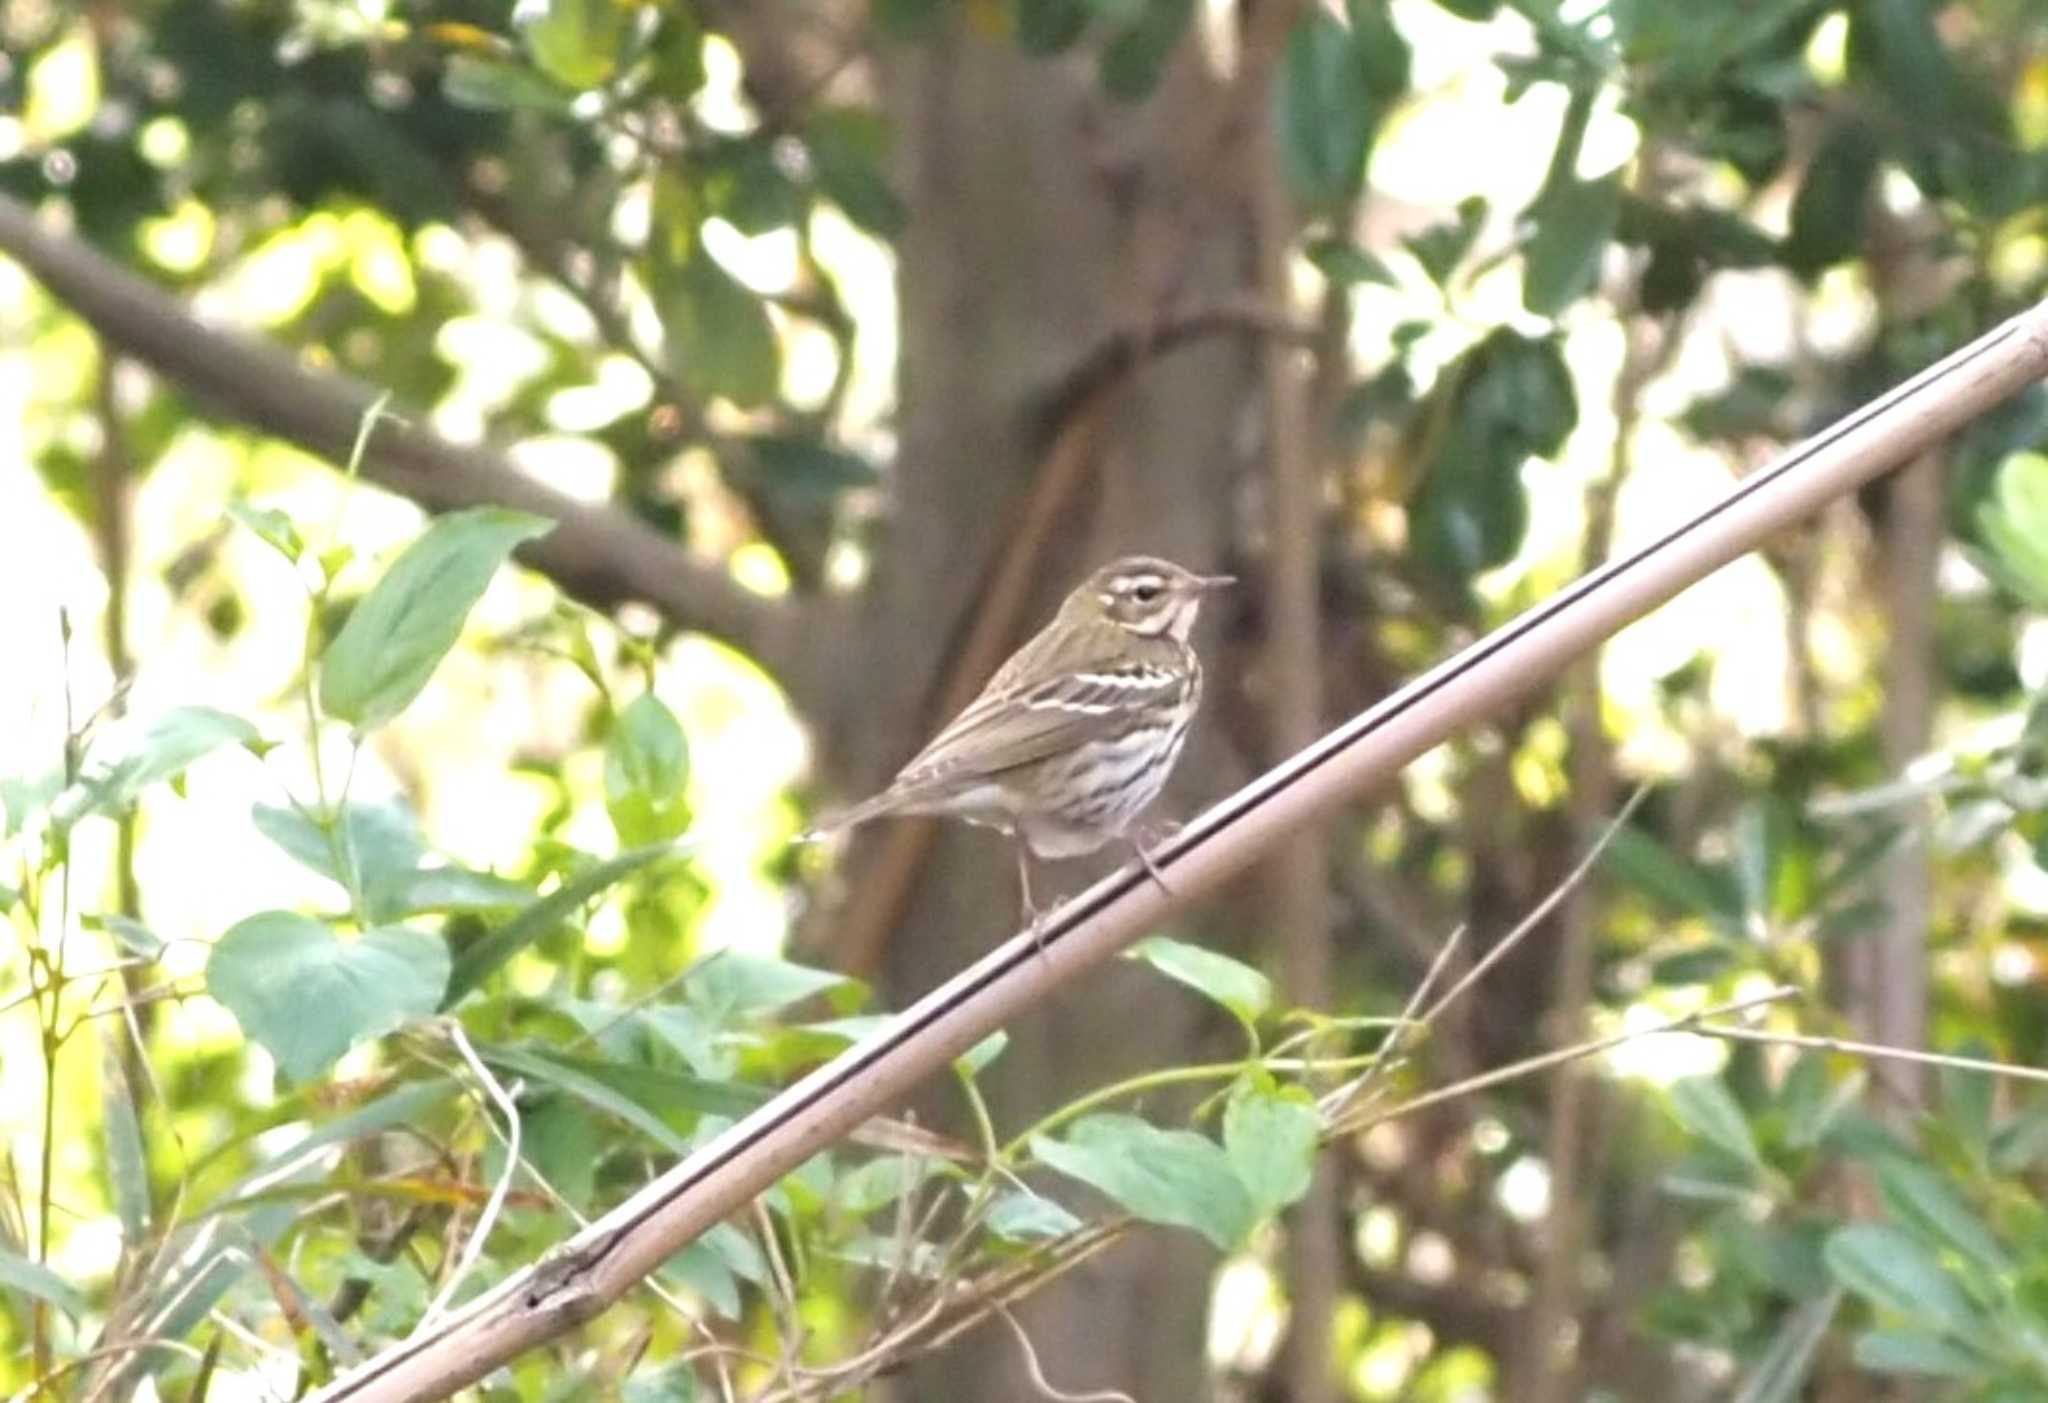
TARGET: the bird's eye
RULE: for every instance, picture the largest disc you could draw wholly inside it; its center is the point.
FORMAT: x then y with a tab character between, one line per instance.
1145	591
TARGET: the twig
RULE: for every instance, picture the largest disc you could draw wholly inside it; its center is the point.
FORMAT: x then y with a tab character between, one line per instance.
1103	1395
1854	1048
472	1249
1516	1070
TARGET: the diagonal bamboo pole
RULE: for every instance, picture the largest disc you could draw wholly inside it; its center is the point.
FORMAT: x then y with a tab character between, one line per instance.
605	1260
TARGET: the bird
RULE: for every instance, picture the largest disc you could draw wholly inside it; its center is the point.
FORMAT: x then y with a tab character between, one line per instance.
1076	733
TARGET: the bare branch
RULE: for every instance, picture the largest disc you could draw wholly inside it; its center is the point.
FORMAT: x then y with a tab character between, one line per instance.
596	553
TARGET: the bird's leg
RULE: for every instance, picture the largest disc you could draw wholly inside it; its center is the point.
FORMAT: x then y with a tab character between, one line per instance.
1151	867
1024	889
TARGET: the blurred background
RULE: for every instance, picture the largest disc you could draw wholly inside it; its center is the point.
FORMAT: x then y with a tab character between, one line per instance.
841	339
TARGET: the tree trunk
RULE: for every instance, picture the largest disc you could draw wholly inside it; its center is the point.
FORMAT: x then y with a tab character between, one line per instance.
1044	217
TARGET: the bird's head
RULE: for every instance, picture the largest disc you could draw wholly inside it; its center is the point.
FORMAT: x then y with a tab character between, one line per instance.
1150	597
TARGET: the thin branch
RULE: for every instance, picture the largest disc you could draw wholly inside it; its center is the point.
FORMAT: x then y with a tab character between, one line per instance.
1854	1048
1038	1381
602	1263
472	1250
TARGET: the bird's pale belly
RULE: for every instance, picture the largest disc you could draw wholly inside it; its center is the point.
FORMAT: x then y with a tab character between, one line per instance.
1111	784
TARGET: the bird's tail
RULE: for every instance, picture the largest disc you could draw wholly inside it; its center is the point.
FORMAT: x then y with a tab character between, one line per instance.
834	820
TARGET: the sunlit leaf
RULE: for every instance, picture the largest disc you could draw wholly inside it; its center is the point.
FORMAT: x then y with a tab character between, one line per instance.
578	43
122	764
1271	1138
1232	983
646	770
478	961
306	995
399	632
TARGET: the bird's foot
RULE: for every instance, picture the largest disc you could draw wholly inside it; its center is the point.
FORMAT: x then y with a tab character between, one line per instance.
1139	842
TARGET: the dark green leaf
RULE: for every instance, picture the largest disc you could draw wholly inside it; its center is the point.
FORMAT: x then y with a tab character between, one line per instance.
1232	983
646	769
399	632
479	961
1135	56
308	996
1327	107
1680	884
1574	222
1442	247
718	335
1833	204
665	1383
1346	264
1174	1177
848	147
1271	1138
1050	26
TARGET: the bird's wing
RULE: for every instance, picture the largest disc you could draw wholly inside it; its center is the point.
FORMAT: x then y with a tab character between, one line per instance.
1010	726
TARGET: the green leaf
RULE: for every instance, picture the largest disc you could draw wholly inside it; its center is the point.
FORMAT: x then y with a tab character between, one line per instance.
1780	1375
271	526
381	841
1232	983
1574	222
35	1279
478	961
1334	84
1920	1352
1271	1138
129	935
970	1062
1442	247
2014	525
1175	1177
127	1161
1926	1201
848	147
1892	1270
642	1097
1833	204
1707	1110
124	763
1679	884
1050	26
732	985
1135	56
492	84
445	889
308	996
666	1383
1021	1216
579	43
718	336
646	769
1346	264
879	1183
399	632
714	1264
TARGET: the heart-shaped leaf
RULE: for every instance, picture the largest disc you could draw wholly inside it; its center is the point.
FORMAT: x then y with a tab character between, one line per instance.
306	995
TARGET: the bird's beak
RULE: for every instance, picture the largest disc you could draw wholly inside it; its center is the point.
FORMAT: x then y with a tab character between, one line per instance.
1209	582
